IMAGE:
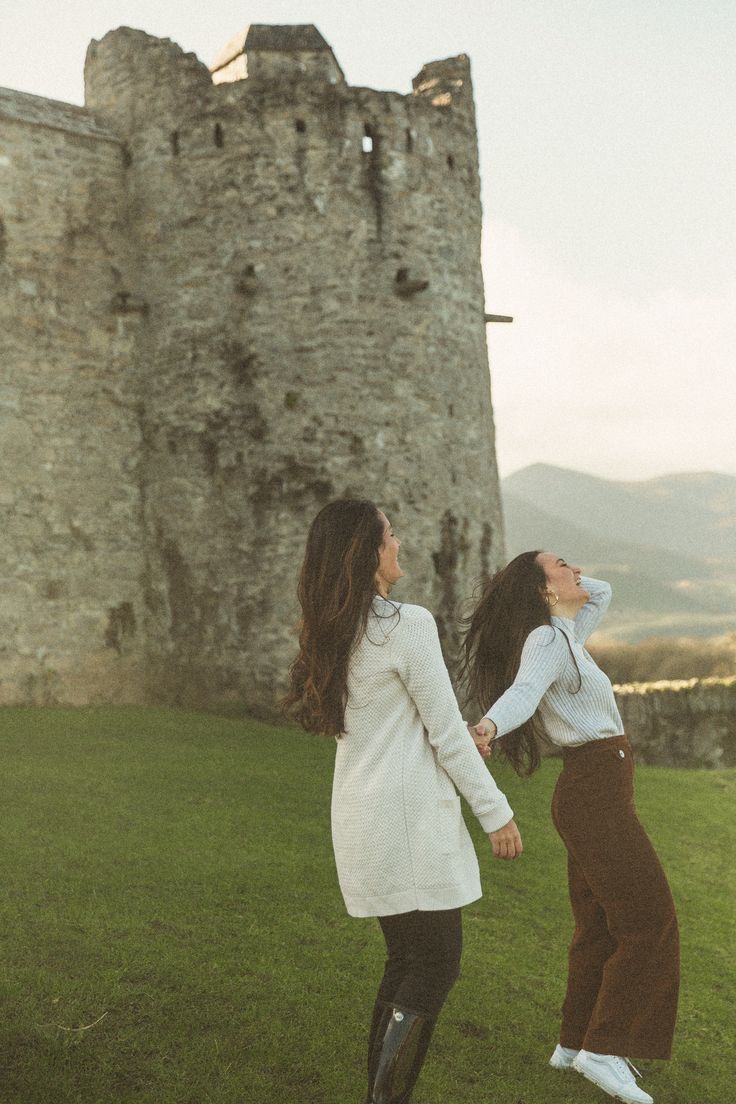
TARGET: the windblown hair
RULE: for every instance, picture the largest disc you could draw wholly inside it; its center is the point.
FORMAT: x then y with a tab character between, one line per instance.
511	605
336	589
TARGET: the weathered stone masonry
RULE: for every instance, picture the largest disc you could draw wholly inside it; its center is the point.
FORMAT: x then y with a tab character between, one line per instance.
685	723
224	302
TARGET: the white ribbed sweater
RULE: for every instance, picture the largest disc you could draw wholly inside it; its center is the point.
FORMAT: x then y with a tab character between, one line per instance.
547	680
398	833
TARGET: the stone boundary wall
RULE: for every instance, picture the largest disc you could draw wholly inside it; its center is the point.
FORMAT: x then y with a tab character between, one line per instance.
684	723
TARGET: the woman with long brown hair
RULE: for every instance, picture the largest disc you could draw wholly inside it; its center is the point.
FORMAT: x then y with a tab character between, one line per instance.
370	674
525	656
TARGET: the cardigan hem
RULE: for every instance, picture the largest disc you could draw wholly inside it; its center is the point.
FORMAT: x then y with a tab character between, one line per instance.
410	900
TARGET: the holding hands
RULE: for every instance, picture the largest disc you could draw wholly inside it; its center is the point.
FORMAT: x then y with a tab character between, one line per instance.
506	841
483	733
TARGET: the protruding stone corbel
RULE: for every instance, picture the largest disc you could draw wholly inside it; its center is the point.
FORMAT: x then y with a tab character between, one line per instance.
405	287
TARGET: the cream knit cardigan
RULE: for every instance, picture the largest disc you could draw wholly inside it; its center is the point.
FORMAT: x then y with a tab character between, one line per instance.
397	828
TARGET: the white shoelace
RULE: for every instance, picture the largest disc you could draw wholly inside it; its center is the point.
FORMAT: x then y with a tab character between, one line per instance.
624	1066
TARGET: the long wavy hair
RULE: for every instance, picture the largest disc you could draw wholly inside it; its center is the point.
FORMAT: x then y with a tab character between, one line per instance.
335	592
511	605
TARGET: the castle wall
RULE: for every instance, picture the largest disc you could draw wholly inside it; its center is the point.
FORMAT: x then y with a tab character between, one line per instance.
273	298
69	439
294	354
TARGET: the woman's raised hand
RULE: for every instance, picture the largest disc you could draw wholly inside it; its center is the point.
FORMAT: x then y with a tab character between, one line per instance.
506	842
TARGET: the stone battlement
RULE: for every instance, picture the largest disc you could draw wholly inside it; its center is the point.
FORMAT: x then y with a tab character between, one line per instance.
21	107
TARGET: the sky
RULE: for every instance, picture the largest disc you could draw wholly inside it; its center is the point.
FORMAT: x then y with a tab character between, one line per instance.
607	133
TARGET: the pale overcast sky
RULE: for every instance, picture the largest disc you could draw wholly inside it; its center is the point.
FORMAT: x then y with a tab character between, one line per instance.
608	153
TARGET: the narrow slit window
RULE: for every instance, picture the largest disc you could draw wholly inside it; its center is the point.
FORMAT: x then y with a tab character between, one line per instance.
219	136
301	126
368	138
409	141
175	143
450	161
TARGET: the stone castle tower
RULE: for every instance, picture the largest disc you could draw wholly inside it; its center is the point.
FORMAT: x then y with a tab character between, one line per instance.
227	297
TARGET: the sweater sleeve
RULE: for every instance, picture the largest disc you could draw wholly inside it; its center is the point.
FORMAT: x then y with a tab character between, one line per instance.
543	660
424	674
588	618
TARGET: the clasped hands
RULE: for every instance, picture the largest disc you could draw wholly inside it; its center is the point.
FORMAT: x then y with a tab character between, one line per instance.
483	733
506	841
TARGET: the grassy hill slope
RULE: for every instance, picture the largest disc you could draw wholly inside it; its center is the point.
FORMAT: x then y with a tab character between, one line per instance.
173	932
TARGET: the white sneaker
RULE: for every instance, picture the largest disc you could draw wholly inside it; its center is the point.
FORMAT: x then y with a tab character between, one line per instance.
562	1057
613	1075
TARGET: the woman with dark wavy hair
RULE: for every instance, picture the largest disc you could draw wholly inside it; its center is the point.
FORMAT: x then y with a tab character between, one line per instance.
525	654
370	673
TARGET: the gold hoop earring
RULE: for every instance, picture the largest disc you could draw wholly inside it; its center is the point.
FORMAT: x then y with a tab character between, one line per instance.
551	593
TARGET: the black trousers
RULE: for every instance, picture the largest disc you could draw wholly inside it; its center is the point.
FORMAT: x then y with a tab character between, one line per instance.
422	965
423	959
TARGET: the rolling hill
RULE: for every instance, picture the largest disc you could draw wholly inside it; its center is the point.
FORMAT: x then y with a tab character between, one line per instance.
667	545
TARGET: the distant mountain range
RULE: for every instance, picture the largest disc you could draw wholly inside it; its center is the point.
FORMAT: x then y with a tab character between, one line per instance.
667	545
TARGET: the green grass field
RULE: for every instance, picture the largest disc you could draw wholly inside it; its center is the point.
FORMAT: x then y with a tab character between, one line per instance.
172	931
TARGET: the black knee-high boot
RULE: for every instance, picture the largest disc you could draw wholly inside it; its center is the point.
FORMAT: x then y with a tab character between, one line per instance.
398	1054
381	1014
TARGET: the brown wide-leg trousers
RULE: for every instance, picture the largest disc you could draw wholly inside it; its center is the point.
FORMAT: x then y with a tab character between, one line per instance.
624	962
